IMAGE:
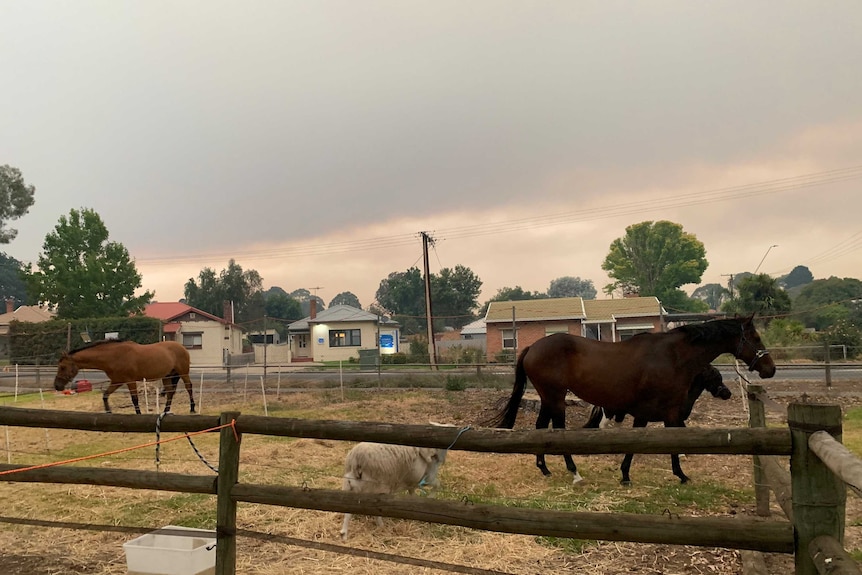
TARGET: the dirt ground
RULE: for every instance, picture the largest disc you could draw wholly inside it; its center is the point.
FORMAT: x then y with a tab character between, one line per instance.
33	550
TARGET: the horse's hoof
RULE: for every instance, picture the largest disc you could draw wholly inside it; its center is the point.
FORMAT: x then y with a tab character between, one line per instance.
683	479
576	478
626	482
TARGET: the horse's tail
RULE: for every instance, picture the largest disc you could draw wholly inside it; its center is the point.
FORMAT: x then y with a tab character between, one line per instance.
506	417
595	418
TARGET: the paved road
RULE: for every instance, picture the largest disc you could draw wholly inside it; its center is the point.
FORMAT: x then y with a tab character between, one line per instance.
27	378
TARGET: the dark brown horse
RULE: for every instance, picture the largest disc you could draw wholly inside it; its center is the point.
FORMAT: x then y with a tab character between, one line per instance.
647	376
127	363
709	379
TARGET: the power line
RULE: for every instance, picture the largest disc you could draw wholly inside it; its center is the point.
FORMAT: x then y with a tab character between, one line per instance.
590	214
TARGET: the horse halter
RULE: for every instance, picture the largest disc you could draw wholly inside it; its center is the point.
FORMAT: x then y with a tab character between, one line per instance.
758	353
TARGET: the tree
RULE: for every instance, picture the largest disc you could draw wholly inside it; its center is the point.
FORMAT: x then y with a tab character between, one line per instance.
402	293
654	259
516	293
16	197
823	303
243	288
759	294
798	276
454	295
304	297
712	294
346	298
568	286
12	285
82	274
676	301
281	306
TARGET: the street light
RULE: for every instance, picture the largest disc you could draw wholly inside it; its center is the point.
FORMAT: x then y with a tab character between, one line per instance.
764	257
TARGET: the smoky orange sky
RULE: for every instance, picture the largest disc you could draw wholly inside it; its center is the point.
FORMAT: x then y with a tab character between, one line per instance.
313	141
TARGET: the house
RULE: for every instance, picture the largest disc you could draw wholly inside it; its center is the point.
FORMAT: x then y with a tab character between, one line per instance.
211	340
513	325
25	313
340	333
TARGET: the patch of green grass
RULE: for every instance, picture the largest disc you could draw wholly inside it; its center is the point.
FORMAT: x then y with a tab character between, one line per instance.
852	430
573	546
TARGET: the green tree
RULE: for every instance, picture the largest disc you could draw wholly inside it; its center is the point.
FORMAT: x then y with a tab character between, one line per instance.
233	284
346	298
516	293
712	294
798	276
759	294
454	295
402	294
12	285
654	259
304	297
825	302
16	197
568	286
281	306
82	274
677	301
842	332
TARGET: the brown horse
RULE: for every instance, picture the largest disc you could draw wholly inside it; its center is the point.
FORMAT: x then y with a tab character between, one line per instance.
647	376
127	363
709	380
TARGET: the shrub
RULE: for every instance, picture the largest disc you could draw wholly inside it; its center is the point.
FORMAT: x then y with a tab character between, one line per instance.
455	383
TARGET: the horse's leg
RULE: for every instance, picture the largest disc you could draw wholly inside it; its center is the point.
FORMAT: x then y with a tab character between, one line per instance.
627	460
542	422
559	420
133	391
170	384
108	391
189	387
674	460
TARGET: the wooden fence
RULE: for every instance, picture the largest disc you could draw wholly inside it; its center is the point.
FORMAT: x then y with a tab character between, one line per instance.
816	496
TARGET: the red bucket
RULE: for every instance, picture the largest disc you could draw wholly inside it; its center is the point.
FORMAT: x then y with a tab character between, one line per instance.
83	385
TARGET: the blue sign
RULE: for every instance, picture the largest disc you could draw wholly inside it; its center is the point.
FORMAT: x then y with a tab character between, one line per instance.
387	341
320	341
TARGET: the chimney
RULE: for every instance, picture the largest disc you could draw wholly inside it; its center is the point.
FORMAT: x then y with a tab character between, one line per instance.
10	305
228	311
312	308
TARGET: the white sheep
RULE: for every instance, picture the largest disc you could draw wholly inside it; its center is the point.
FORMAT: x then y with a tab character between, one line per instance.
385	468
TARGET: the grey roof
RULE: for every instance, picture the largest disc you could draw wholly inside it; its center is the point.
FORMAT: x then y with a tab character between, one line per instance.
337	314
474	328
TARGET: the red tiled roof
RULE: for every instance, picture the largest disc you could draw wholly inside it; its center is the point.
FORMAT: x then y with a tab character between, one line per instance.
169	310
171	327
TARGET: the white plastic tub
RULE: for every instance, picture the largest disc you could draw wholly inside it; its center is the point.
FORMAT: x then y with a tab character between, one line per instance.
163	553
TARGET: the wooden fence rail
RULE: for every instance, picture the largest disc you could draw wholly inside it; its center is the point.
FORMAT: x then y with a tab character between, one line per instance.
740	533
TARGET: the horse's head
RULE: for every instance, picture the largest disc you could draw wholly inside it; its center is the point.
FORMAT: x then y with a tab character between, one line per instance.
714	383
67	369
752	351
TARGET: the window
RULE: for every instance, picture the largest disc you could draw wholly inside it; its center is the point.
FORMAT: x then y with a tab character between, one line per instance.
345	337
509	340
193	340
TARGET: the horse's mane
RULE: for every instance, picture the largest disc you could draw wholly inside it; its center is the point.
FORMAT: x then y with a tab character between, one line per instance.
712	330
93	344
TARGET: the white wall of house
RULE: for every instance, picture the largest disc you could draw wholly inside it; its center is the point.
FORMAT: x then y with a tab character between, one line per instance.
320	339
273	354
207	340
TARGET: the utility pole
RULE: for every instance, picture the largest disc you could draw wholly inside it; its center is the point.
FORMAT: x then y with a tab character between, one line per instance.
432	347
729	283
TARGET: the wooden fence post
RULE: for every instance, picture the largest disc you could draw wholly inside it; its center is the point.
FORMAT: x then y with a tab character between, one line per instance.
228	475
757	418
819	495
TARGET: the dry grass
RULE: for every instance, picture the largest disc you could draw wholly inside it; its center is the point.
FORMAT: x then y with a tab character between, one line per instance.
721	486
